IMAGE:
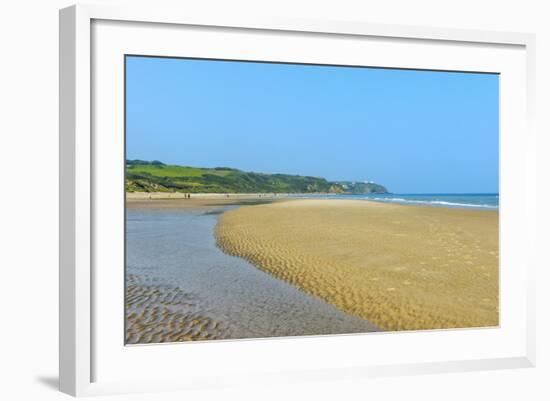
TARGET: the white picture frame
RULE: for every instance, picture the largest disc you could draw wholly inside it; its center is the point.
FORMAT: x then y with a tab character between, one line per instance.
82	343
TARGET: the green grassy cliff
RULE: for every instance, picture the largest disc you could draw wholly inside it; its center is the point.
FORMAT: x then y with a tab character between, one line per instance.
144	176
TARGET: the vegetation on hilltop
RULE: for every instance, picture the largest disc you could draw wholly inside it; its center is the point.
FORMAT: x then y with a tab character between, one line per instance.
155	176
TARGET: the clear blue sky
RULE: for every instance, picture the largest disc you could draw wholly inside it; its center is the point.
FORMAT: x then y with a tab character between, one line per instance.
412	131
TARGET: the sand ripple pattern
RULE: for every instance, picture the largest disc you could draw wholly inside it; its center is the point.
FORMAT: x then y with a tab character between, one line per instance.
399	267
157	313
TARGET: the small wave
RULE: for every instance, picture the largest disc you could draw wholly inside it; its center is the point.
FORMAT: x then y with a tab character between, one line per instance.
434	202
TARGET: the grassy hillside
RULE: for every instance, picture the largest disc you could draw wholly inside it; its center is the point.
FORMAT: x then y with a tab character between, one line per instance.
144	176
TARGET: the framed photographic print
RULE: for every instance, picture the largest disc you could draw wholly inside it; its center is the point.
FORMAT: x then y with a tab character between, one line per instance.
290	199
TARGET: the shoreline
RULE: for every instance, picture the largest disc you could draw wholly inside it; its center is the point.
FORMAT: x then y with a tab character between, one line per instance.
187	195
400	267
177	200
190	200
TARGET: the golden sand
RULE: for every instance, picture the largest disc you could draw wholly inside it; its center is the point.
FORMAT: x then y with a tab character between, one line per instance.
400	267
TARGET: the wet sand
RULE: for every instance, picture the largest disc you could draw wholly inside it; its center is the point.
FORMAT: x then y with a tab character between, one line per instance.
181	287
399	267
192	200
210	203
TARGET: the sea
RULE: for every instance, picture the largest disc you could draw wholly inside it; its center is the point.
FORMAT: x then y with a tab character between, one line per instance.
486	201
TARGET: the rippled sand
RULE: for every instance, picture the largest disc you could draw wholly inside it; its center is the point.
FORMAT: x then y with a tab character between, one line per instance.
163	313
399	267
181	287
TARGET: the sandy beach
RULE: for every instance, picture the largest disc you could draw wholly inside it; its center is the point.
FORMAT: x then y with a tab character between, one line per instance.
178	200
399	267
